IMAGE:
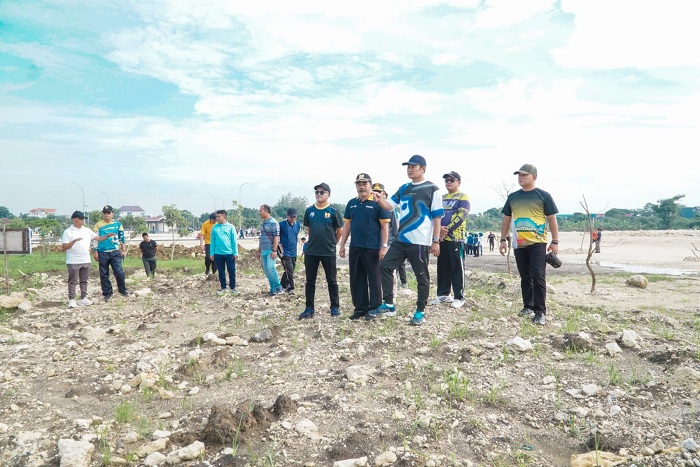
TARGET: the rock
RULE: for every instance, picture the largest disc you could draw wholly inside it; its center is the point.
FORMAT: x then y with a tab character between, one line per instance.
359	462
578	342
590	389
614	410
11	301
596	459
629	338
358	374
686	378
519	344
155	459
25	306
690	445
75	453
658	446
143	292
638	281
149	448
613	349
647	451
385	458
187	453
159	434
153	361
308	428
263	336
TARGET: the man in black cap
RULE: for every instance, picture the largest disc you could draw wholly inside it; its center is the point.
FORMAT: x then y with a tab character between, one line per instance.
529	210
205	243
419	235
76	241
289	237
324	225
110	252
450	263
369	225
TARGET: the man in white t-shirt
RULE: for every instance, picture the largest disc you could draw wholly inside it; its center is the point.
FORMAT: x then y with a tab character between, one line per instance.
76	241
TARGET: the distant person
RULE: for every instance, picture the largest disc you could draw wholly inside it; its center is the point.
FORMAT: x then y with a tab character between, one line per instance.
324	228
453	230
148	248
492	240
76	241
267	250
598	238
530	209
378	188
368	224
224	251
110	252
289	239
303	246
419	235
205	243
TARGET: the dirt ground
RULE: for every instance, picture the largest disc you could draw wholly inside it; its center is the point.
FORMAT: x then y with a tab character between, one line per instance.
174	365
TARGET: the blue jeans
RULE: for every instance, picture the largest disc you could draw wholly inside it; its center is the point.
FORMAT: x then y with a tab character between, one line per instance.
268	265
113	258
224	262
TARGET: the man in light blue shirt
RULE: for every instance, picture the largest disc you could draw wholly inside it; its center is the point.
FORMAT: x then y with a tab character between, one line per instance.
269	240
224	251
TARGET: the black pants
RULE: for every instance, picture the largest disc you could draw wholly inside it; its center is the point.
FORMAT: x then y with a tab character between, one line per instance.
149	264
208	263
531	266
288	264
450	270
311	263
364	277
417	255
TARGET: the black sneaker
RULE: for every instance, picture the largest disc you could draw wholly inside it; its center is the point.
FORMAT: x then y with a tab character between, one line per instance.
358	315
307	313
539	319
526	312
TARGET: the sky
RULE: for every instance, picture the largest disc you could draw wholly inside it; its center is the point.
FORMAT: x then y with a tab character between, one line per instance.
200	103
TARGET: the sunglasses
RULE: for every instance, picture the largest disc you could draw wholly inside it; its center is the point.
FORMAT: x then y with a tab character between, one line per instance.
450	180
321	192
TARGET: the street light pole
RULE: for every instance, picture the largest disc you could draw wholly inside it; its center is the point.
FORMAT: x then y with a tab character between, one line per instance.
240	206
107	195
84	206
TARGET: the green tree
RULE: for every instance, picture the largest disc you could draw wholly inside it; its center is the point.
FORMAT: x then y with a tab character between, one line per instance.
279	210
5	213
177	223
667	210
135	225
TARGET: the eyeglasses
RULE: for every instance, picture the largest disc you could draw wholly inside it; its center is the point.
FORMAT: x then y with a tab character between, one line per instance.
450	180
321	192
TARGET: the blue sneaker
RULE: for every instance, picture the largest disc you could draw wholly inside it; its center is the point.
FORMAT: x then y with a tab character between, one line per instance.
385	309
335	312
418	318
307	313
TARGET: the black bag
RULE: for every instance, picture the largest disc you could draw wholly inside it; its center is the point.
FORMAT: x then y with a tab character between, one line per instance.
553	261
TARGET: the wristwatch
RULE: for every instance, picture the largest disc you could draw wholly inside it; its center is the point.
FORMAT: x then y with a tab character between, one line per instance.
436	240
384	245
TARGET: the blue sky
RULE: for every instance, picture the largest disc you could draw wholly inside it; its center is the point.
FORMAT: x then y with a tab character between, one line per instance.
195	102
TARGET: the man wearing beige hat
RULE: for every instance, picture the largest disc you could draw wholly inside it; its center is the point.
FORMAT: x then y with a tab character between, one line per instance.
528	211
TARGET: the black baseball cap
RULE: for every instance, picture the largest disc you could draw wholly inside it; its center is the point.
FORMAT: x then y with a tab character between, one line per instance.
107	208
292	212
363	178
324	186
416	160
453	174
78	214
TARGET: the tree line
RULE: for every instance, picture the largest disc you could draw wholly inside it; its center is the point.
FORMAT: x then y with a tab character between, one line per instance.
662	215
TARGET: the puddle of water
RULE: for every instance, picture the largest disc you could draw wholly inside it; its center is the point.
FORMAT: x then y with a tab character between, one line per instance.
641	269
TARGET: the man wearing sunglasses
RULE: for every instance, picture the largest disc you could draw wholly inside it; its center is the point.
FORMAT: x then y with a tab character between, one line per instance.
419	235
324	227
453	229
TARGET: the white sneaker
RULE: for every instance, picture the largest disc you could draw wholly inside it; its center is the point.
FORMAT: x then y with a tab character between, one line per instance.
442	299
72	304
85	302
457	304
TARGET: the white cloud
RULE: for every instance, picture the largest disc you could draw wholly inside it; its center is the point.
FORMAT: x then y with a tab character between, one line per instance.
629	33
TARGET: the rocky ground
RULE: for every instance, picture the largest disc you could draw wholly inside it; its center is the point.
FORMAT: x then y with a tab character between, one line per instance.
175	374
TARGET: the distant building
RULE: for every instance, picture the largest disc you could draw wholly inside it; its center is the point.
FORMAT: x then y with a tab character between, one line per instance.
41	212
156	224
135	211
